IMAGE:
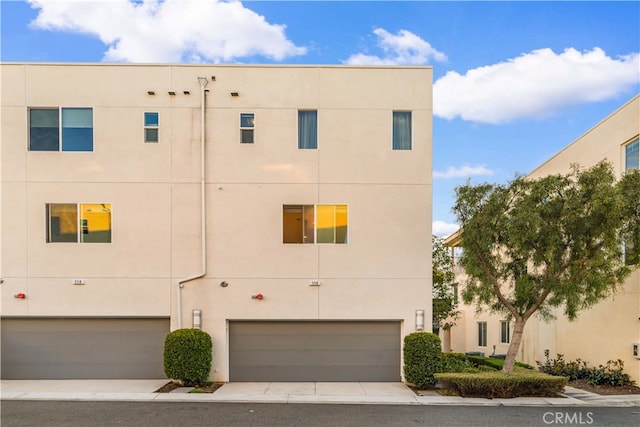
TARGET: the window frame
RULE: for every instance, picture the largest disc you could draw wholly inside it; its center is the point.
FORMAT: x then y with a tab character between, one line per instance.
247	130
309	234
632	146
399	119
307	133
65	131
81	223
505	332
482	334
151	127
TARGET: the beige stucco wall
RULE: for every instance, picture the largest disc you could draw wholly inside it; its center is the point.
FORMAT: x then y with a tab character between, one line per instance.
607	330
384	272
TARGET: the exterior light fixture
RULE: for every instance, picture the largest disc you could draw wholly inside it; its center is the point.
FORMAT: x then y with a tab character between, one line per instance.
419	320
196	319
257	296
186	92
150	92
234	94
224	284
20	295
172	92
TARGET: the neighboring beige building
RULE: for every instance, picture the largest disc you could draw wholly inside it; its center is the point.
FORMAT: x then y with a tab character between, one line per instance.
312	185
609	330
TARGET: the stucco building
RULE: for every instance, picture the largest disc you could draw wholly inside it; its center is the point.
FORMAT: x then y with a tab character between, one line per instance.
285	210
609	330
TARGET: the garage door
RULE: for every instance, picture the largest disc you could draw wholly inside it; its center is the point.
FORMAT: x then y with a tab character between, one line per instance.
83	348
314	351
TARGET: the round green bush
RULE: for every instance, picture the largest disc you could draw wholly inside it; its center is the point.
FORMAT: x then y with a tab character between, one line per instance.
422	358
187	356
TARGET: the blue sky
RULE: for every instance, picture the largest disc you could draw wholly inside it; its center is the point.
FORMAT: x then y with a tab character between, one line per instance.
514	82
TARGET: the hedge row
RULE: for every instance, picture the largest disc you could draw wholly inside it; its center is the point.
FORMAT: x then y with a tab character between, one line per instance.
497	385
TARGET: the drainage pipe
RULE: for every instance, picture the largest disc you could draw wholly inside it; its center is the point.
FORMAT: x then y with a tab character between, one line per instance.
203	207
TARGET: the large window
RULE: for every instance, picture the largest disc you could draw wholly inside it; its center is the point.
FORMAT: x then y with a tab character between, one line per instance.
631	155
307	129
247	123
632	161
84	223
482	334
311	224
61	129
402	130
505	332
151	127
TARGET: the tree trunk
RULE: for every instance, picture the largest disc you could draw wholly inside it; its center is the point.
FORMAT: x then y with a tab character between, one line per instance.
514	346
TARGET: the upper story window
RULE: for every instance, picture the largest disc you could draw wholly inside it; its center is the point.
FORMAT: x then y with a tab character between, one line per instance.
84	223
308	129
631	156
151	126
61	129
310	224
402	130
247	123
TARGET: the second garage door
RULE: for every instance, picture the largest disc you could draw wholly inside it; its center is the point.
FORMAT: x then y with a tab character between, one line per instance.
314	351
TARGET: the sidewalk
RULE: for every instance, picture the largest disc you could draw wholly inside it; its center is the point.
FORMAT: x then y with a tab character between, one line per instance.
307	392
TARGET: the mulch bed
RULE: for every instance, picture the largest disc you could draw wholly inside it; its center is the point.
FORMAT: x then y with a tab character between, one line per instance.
605	389
208	388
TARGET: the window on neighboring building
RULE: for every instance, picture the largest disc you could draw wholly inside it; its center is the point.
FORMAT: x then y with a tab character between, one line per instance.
307	129
61	129
247	122
631	155
631	252
402	130
505	332
455	294
151	126
84	223
482	334
632	161
310	224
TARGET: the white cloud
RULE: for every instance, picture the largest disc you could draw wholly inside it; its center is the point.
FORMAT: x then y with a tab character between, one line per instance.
169	31
443	229
535	84
463	171
404	48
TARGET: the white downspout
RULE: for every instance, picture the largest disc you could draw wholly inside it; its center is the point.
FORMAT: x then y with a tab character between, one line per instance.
203	207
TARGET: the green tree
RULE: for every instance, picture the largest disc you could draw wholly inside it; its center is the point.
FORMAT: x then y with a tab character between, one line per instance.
536	244
445	312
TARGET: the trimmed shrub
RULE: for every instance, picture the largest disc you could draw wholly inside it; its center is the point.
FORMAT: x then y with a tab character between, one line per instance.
486	361
187	356
497	385
422	358
456	362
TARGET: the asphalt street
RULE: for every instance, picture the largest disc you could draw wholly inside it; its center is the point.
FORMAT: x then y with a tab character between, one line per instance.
168	414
